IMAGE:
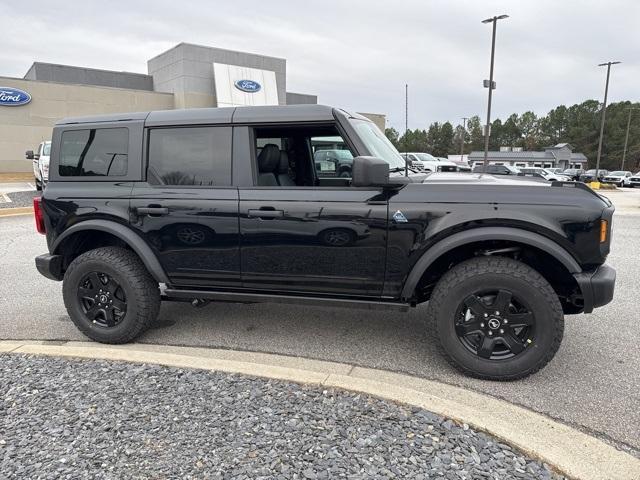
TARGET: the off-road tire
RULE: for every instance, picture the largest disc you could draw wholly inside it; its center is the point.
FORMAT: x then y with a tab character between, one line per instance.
503	273
141	290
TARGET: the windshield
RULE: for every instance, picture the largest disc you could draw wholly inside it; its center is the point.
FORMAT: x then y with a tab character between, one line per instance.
618	173
46	151
377	144
425	157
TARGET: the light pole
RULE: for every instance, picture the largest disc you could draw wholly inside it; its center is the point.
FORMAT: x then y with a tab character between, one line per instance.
462	137
491	86
626	138
406	128
604	112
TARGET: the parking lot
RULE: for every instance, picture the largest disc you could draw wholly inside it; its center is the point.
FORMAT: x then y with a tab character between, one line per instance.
593	382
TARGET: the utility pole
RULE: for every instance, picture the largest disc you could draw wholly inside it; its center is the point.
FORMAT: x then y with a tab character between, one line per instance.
626	138
462	137
604	112
406	128
490	85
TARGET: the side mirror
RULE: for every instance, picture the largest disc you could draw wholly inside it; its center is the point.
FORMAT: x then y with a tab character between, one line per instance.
29	154
369	172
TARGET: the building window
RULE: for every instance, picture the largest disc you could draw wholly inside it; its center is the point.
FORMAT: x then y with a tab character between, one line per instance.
98	152
190	156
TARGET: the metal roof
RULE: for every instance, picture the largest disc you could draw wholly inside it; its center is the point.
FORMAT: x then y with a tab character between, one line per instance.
513	155
547	155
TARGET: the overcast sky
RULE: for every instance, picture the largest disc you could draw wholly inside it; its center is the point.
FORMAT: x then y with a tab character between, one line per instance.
358	54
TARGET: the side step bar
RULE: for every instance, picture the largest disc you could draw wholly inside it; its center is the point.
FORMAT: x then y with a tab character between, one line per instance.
179	294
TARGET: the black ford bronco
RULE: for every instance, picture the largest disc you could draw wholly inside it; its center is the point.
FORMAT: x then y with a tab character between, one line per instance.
234	205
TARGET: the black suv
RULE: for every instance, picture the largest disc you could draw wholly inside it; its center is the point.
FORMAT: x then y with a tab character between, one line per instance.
498	170
227	205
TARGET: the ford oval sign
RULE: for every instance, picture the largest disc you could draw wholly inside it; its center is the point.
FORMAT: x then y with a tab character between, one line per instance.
248	86
13	97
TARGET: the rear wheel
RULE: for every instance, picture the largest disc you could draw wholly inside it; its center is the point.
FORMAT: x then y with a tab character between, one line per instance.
110	295
496	318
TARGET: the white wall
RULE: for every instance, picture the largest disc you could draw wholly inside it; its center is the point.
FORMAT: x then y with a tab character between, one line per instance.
228	95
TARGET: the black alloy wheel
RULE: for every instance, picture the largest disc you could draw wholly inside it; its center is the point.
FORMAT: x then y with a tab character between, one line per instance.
495	325
496	318
102	299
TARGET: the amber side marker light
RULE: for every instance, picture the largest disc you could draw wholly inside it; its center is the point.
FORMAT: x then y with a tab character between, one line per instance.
603	231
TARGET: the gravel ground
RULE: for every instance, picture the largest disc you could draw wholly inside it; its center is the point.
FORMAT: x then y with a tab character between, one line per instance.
97	419
19	199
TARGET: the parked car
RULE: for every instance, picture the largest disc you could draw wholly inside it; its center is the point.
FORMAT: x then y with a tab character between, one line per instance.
498	170
619	177
334	162
184	199
634	180
430	163
463	166
590	175
573	173
40	164
544	174
555	170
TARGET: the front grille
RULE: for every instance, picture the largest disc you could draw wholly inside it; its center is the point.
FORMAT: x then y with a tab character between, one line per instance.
446	168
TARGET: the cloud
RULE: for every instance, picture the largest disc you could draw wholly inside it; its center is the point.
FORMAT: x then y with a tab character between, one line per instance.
359	54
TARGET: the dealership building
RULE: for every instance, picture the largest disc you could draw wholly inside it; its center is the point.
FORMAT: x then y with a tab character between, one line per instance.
185	76
556	156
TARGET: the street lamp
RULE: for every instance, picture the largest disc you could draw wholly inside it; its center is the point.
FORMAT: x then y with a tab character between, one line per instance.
490	85
626	138
604	112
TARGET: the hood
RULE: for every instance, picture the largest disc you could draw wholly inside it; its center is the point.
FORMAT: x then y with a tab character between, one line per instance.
459	178
479	188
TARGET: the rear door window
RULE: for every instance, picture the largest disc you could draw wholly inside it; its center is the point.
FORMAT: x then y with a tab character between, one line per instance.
195	156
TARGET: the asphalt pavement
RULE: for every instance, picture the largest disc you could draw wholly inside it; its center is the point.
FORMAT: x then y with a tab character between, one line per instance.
593	383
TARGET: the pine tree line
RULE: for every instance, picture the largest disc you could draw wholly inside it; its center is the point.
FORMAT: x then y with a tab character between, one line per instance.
578	125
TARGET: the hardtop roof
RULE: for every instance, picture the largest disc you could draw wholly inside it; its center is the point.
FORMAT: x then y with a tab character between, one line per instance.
223	115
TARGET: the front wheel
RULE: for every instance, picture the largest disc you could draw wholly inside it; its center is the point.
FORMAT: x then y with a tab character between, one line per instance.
496	318
110	296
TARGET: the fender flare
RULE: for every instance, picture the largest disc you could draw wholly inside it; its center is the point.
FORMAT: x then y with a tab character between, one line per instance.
483	234
137	244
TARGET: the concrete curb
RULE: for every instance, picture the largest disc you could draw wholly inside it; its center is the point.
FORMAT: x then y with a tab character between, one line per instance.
12	212
571	452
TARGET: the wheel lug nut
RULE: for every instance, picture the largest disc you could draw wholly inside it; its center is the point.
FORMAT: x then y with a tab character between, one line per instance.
505	321
501	331
490	333
486	315
497	312
482	325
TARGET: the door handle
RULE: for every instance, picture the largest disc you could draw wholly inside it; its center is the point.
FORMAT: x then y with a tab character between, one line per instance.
153	211
264	213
